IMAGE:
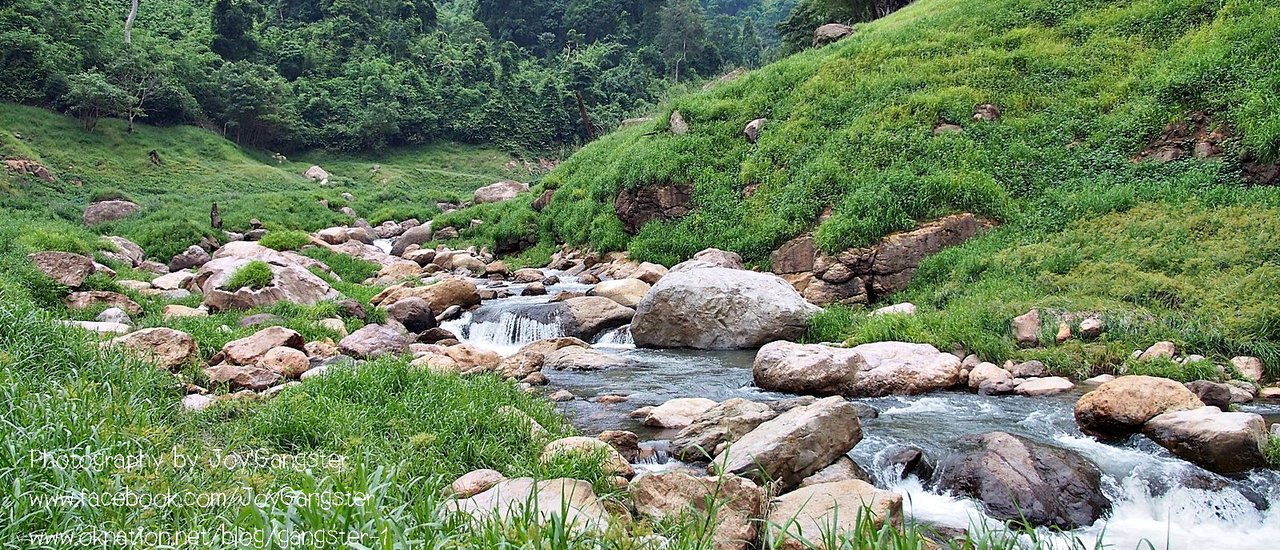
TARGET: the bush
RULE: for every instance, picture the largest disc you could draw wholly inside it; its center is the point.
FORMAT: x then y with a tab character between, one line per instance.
290	239
253	275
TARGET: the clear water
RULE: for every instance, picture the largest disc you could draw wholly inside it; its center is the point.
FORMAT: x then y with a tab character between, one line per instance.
1155	496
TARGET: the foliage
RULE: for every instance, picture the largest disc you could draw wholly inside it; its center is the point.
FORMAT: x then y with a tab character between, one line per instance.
285	239
253	275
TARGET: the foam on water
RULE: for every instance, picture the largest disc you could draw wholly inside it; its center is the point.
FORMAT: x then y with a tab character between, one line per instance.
619	338
506	335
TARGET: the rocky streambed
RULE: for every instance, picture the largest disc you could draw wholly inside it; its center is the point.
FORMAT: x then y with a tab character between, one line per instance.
1148	493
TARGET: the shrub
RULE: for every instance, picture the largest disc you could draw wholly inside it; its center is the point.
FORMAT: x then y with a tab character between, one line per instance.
253	275
290	239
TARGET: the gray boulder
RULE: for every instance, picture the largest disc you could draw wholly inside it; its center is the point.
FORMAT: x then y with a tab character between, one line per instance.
794	445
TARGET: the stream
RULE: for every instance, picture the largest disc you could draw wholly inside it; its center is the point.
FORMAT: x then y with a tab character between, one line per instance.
1157	498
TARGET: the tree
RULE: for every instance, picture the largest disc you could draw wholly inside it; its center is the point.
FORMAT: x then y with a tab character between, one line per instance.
681	35
750	46
91	96
142	76
232	24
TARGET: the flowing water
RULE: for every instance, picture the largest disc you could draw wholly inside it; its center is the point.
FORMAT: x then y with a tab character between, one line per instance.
1157	498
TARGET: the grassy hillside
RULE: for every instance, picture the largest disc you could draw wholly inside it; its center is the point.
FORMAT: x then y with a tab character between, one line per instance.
1085	87
199	168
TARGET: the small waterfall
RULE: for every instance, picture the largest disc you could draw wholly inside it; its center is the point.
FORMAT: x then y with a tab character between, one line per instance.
616	338
506	332
383	245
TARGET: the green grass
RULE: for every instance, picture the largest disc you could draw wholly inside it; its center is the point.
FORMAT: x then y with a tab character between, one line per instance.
253	275
287	239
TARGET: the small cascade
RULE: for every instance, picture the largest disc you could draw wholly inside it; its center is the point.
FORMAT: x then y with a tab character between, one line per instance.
383	245
504	332
616	338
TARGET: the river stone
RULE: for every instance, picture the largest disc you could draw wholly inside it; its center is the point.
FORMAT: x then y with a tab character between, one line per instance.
476	482
532	357
795	444
678	413
1120	407
568	501
291	280
627	292
472	359
106	211
65	268
1249	367
96	298
1048	385
575	358
250	349
720	425
719	308
807	369
843	469
440	295
412	312
710	257
588	316
737	503
800	519
613	464
246	377
1211	393
415	235
1221	442
169	349
906	461
900	368
1018	480
1029	369
374	340
987	373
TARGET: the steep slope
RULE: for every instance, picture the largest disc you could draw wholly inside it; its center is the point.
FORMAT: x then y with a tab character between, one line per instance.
877	133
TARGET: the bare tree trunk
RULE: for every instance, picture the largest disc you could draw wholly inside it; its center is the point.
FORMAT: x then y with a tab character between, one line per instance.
128	22
586	118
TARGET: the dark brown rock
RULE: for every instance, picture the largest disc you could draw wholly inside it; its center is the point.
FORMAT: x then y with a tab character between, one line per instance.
636	207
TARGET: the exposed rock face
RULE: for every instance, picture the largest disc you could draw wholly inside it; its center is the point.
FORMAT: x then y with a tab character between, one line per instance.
738	503
719	308
1222	442
1016	479
30	167
169	349
500	191
722	424
193	256
868	370
678	413
250	349
636	207
627	292
106	211
374	340
291	281
861	275
95	298
439	294
831	32
67	269
476	482
809	512
795	444
571	500
613	464
1120	407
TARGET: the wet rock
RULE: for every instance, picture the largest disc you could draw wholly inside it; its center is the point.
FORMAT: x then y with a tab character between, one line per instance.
678	413
374	340
843	469
500	191
106	211
1212	394
532	357
613	462
414	235
907	461
1026	328
720	425
626	443
476	482
799	519
690	309
795	444
65	268
626	292
1049	385
98	298
1018	480
569	502
737	503
193	256
535	288
412	312
169	349
1222	442
560	396
1120	407
440	294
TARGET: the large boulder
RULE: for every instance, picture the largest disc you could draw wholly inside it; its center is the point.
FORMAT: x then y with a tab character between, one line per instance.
802	518
500	191
193	256
795	444
106	211
532	357
1019	480
96	298
415	235
736	502
374	340
569	502
1120	407
64	267
169	349
574	358
439	294
412	312
317	174
126	251
831	32
719	308
876	369
710	257
291	279
678	413
718	426
1222	442
627	292
250	349
587	316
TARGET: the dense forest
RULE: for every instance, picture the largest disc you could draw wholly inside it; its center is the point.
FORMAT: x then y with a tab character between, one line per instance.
352	75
